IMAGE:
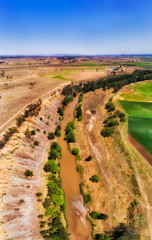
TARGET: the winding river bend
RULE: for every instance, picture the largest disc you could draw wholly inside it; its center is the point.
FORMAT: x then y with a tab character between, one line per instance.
78	226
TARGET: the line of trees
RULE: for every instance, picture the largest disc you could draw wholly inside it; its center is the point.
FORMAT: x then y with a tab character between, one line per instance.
115	82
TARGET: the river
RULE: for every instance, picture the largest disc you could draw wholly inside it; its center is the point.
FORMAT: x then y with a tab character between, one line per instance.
78	226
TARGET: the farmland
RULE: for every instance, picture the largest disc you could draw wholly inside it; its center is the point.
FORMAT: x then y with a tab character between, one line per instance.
137	109
141	130
138	92
139	113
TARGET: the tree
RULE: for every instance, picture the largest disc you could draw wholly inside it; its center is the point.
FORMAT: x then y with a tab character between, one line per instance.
88	158
107	131
51	135
75	151
51	166
28	173
100	216
94	178
124	232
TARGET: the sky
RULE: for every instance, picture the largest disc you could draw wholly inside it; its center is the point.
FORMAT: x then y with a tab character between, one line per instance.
100	27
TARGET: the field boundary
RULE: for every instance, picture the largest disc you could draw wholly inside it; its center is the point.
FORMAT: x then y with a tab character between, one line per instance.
145	154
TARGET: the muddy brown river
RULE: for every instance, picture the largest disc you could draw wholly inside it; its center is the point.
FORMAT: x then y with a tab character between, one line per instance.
78	226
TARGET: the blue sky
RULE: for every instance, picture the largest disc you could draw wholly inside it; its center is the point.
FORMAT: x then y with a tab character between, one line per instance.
75	26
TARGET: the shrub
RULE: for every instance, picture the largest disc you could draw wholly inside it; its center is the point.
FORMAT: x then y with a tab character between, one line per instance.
122	119
9	133
80	97
40	216
110	106
57	199
88	158
51	166
80	118
60	111
56	146
46	202
99	216
47	123
78	111
122	231
21	201
41	118
1	144
101	237
20	120
51	135
28	173
75	151
112	123
107	131
80	169
33	132
44	132
94	178
38	194
58	131
38	130
36	143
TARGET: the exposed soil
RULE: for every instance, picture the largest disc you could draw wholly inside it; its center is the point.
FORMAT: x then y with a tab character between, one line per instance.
140	149
19	219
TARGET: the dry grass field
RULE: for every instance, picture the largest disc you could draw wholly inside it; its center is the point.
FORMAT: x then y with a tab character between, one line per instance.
23	80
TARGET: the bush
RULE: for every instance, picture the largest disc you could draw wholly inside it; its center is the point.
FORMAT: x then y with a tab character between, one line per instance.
60	111
112	123
94	178
28	173
101	237
80	97
124	232
33	132
75	151
58	131
21	201
39	194
110	106
51	166
80	169
78	111
1	144
122	119
107	131
88	159
99	216
44	132
80	118
9	133
36	143
51	135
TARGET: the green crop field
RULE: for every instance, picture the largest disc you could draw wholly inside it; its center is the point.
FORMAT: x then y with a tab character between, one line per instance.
141	91
137	109
141	130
